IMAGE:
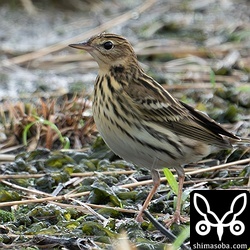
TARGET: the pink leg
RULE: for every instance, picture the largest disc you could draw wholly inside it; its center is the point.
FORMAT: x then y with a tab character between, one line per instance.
156	181
177	218
146	202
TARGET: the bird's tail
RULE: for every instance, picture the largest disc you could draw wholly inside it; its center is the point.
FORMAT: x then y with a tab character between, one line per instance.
242	142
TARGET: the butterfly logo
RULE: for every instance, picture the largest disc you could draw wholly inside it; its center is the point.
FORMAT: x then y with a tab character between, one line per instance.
203	227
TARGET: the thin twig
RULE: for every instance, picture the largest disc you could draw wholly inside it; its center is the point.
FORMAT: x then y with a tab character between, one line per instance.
7	157
119	209
27	190
198	171
21	176
86	174
221	166
215	179
60	197
105	221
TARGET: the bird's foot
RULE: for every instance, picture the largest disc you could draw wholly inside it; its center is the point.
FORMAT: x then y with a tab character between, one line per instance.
176	218
139	217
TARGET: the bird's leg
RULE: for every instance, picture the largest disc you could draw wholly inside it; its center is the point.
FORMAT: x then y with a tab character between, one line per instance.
156	182
177	218
177	213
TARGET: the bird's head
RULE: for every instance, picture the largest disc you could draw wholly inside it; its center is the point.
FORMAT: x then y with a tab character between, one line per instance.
108	50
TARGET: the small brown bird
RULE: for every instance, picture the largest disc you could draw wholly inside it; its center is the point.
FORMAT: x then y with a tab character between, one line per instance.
141	122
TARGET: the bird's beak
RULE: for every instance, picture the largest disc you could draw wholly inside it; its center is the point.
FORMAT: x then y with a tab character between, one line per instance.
83	45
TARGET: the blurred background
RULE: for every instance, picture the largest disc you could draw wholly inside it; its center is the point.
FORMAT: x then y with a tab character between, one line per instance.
177	41
198	50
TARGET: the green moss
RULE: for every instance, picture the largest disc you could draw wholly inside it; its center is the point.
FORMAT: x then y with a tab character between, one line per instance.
6	216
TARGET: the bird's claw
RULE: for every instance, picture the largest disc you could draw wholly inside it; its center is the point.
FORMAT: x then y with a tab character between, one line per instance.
176	218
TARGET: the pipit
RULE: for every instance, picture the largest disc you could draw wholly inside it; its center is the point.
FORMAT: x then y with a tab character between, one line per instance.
141	122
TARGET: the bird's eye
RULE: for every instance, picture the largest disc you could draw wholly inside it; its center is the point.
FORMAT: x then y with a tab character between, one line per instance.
108	45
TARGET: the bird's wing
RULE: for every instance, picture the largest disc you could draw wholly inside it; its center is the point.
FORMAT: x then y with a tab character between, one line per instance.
155	105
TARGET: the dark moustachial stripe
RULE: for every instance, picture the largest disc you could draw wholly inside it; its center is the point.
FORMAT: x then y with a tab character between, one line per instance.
117	69
118	73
